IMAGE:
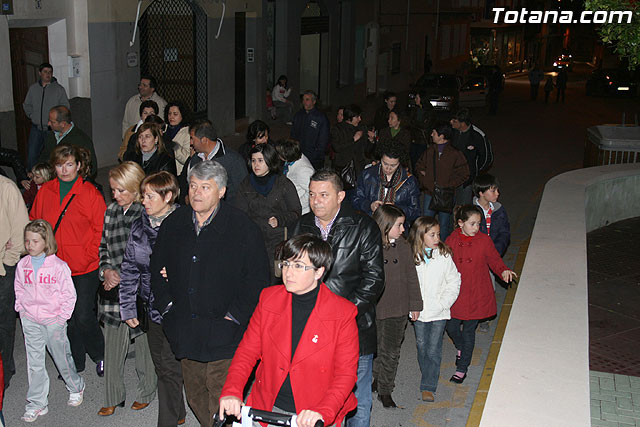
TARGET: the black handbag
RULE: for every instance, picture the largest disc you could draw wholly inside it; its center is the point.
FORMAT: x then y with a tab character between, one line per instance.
442	199
349	176
143	314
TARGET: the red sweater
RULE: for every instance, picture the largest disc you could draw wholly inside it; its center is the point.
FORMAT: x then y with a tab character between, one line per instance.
473	257
80	230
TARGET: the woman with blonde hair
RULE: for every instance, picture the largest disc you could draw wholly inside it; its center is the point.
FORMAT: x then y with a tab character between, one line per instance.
124	181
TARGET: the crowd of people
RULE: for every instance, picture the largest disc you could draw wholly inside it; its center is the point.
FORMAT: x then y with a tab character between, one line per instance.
308	256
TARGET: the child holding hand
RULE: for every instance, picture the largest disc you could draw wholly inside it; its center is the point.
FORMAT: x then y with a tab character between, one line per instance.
439	285
474	254
45	299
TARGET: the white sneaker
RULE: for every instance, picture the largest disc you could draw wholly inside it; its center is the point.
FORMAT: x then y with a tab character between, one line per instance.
75	399
32	414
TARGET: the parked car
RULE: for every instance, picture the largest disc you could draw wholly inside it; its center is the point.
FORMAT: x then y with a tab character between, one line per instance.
612	82
564	61
442	90
447	92
474	91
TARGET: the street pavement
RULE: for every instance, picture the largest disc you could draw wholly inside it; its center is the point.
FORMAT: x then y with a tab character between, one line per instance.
532	143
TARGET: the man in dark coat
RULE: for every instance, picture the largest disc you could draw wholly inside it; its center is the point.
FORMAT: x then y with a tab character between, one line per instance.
64	131
207	146
311	129
357	273
473	145
216	266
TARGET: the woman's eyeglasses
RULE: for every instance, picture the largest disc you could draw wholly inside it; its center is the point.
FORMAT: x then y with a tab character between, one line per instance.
298	266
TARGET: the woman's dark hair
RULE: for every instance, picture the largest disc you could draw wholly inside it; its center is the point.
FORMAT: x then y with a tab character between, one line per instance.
388	94
283	77
393	150
463	213
386	216
257	129
184	111
155	120
351	111
318	251
155	130
400	115
288	149
148	104
79	154
270	156
444	128
162	183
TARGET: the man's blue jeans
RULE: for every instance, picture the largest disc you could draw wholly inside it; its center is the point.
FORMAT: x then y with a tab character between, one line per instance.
34	146
429	343
444	218
363	393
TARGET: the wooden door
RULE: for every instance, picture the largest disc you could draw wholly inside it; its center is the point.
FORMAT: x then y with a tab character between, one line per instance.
29	49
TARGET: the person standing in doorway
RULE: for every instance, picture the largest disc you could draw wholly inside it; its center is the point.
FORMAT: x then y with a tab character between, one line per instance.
41	97
311	128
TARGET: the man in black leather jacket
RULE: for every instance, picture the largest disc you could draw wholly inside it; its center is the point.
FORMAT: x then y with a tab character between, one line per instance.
357	273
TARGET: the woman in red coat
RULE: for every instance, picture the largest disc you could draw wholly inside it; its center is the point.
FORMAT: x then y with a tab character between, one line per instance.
79	207
473	255
306	339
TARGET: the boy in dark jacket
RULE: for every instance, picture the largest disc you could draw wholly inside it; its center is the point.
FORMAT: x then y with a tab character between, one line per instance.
495	221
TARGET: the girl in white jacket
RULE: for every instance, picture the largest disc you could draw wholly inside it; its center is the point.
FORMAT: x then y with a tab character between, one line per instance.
439	284
45	299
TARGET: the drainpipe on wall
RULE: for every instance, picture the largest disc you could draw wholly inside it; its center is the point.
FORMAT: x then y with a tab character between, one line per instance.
135	24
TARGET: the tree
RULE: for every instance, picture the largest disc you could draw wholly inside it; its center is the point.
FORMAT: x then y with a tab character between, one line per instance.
624	37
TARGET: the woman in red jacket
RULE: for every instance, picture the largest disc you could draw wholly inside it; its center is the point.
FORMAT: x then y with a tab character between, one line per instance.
306	339
473	254
75	209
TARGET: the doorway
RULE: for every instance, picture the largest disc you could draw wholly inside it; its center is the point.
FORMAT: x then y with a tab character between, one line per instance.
314	51
241	48
29	49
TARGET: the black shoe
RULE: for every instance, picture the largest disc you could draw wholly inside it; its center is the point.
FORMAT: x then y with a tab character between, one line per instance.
456	379
387	401
374	386
100	368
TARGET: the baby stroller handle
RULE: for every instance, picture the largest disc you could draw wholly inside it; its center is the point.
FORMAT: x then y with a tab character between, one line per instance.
272	418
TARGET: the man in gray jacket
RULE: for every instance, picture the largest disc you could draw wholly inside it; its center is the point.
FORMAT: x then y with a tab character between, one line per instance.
42	96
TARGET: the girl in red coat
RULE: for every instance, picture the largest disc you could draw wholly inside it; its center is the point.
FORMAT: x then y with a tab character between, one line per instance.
473	254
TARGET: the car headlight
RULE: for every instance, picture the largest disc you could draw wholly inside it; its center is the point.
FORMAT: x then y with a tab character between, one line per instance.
555	64
447	98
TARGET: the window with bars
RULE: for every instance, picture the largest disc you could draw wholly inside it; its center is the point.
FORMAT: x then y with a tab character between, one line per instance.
173	49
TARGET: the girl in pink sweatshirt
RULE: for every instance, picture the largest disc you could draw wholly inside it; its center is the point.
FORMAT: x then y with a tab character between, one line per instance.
45	298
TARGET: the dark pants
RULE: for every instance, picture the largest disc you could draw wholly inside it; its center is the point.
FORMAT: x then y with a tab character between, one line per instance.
463	335
546	96
385	365
171	407
560	94
84	332
34	145
494	97
7	322
534	91
203	383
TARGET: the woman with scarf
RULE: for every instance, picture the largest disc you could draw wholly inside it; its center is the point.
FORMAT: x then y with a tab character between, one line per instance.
389	183
150	151
124	180
269	198
176	135
159	193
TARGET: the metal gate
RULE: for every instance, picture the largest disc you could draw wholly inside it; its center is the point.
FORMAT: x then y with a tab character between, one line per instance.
173	49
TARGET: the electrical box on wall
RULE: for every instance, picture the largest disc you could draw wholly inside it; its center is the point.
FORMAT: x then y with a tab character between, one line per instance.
74	66
7	7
